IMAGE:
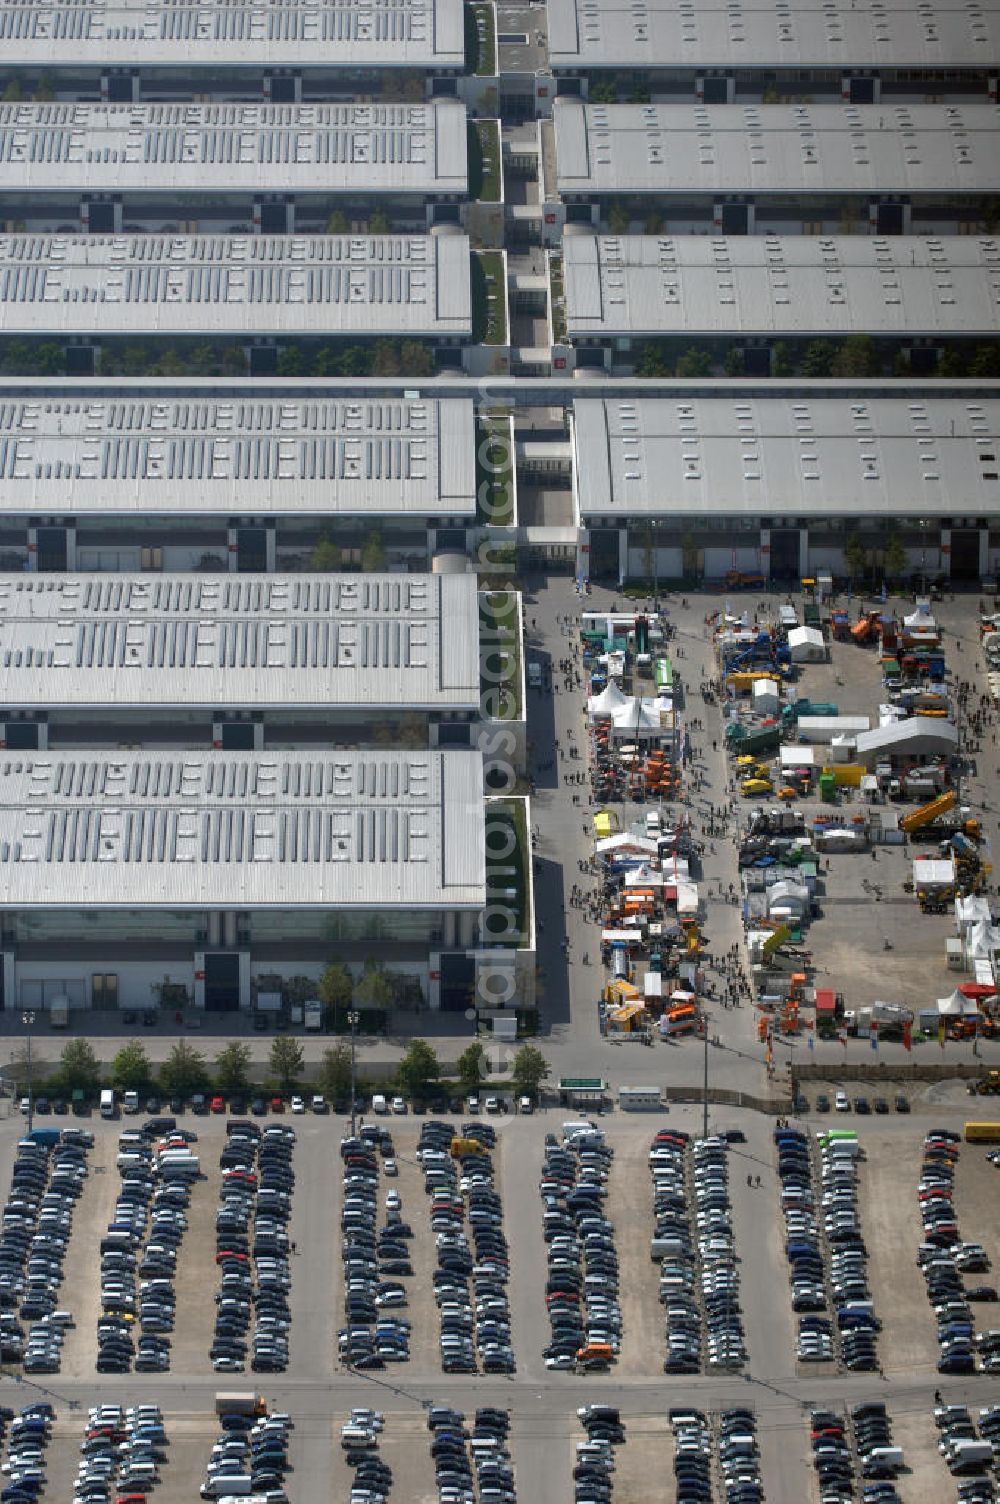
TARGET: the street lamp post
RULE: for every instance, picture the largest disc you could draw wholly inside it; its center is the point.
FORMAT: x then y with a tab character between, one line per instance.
353	1018
28	1020
704	1118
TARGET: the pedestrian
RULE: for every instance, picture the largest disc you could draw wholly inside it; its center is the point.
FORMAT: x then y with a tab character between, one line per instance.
758	1180
750	1180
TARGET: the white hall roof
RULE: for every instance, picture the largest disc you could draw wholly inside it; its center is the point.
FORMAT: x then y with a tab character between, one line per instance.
322	642
677	34
220	34
211	150
816	457
316	830
211	456
630	285
414	286
787	150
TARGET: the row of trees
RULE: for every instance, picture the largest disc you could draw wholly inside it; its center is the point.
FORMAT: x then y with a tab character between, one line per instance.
380	357
856	356
185	1070
327	557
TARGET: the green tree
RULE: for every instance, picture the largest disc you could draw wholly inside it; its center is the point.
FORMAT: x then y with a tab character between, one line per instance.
170	363
415	359
135	360
335	1072
378	222
952	364
781	364
604	91
326	557
855	556
733	363
373	554
895	557
418	1068
374	990
184	1071
985	363
619	218
234	361
290	362
130	1069
653	223
78	1069
44	92
12	94
650	362
817	359
336	986
328	361
337	223
232	1068
50	359
472	1066
694	363
856	357
356	360
529	1070
385	359
286	1063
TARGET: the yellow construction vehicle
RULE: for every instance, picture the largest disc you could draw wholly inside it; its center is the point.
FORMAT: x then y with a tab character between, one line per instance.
928	812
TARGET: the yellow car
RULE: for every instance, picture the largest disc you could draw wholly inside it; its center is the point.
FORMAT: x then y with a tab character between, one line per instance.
787	792
756	786
746	761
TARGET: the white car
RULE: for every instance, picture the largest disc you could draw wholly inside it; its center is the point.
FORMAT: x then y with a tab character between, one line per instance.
390	1168
399	1106
298	1105
841	1102
492	1105
393	1201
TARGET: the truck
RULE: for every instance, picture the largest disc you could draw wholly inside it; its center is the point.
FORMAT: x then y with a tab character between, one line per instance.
107	1103
240	1402
939	805
313	1015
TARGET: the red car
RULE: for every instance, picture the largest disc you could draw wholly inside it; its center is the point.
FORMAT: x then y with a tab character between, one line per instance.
277	1104
217	1104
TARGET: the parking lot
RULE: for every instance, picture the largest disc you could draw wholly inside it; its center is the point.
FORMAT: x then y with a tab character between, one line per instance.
544	1429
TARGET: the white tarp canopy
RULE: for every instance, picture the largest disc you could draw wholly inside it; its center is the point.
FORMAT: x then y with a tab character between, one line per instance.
982	940
643	877
643	720
957	1006
621	844
806	645
972	909
787	895
676	869
608	701
797	757
687	899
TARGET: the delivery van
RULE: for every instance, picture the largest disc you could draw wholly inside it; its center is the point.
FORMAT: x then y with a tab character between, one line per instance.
226	1483
107	1103
886	1459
